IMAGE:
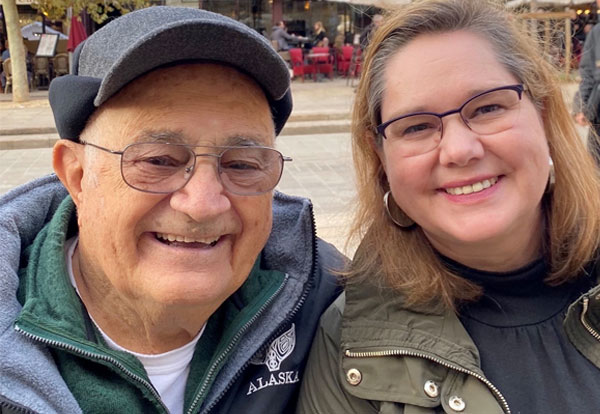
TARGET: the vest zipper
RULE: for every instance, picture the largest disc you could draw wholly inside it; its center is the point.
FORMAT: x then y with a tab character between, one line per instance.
233	343
586	325
91	355
398	352
309	286
14	407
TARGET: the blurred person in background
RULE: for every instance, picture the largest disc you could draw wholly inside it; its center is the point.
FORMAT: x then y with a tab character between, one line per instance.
319	38
282	37
588	99
365	36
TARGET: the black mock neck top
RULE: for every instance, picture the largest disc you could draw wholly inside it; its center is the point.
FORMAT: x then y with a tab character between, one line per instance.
524	351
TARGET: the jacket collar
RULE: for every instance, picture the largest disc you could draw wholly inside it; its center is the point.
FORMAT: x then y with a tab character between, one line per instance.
376	318
377	329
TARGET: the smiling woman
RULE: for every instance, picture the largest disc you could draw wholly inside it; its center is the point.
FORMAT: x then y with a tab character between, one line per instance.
479	225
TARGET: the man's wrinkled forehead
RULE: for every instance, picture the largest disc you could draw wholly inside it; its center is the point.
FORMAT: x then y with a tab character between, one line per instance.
199	87
228	79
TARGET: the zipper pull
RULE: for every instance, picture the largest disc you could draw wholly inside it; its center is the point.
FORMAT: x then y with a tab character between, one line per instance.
586	325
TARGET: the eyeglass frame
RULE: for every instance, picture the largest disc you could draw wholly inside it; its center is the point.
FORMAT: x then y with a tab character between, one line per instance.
519	88
190	147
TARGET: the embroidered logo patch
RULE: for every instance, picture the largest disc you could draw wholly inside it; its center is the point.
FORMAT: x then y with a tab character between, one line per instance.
281	348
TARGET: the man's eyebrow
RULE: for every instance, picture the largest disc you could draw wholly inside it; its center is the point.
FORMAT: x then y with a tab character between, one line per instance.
175	137
245	141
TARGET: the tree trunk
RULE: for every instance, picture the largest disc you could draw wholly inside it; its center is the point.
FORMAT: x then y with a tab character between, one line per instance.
20	85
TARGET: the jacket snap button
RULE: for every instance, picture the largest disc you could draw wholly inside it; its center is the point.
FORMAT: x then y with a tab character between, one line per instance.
457	403
431	389
353	376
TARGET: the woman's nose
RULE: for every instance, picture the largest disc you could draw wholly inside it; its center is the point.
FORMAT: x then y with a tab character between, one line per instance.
460	145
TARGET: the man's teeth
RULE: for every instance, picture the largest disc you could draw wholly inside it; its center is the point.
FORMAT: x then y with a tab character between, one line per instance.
472	188
185	239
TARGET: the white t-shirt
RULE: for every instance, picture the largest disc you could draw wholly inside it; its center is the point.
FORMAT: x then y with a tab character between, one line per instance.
167	372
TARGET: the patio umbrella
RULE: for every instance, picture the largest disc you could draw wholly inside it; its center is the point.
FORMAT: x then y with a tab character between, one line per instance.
77	34
32	31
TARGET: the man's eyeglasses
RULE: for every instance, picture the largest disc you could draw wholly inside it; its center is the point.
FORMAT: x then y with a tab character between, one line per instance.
164	168
486	113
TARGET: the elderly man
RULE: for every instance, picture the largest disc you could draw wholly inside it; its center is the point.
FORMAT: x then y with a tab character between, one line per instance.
171	278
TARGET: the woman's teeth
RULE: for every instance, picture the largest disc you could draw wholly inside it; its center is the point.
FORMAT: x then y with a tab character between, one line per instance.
185	239
472	188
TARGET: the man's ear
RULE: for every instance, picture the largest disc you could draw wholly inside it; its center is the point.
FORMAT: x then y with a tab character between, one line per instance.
67	160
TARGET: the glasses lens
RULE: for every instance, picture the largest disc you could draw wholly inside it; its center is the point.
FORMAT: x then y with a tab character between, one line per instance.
492	112
250	170
415	134
157	167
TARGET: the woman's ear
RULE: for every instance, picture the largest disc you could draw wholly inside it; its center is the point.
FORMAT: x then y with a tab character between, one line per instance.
376	146
68	161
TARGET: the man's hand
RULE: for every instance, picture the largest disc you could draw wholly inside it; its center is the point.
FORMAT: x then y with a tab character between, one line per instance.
581	119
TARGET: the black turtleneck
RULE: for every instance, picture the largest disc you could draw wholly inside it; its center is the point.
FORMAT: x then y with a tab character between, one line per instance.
517	327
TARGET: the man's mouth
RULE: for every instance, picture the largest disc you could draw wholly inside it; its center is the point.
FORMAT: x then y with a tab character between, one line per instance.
184	241
472	188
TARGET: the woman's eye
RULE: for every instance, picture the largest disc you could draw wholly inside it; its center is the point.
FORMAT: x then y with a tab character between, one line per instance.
417	130
487	109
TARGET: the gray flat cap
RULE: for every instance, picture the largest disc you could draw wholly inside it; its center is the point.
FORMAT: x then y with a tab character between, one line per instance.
143	40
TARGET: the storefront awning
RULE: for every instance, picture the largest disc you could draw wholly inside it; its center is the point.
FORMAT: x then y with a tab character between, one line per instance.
21	2
382	4
516	3
390	4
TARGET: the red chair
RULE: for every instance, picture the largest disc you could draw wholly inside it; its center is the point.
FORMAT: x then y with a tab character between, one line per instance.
297	61
323	64
344	59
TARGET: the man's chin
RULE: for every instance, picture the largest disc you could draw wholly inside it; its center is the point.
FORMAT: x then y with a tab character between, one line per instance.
170	286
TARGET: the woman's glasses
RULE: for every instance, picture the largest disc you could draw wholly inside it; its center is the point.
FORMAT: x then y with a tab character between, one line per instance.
486	113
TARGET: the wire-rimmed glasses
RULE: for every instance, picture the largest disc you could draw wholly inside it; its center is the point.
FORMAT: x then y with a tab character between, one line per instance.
486	113
163	168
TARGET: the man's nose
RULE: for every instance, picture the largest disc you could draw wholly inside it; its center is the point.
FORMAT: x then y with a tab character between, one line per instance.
460	145
204	196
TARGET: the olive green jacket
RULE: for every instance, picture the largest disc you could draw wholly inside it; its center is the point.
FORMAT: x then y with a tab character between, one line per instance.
371	355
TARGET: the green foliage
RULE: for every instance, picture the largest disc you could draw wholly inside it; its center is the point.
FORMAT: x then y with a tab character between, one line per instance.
97	9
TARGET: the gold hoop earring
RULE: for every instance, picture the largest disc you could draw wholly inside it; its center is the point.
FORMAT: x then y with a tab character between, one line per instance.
398	217
551	177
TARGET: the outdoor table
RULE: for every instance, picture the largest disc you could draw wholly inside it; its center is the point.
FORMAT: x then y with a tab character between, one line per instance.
313	59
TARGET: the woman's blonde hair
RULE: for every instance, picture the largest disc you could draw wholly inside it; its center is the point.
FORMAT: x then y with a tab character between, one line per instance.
404	259
320	27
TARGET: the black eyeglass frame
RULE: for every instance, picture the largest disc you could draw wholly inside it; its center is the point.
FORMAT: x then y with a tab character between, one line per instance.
191	168
519	88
